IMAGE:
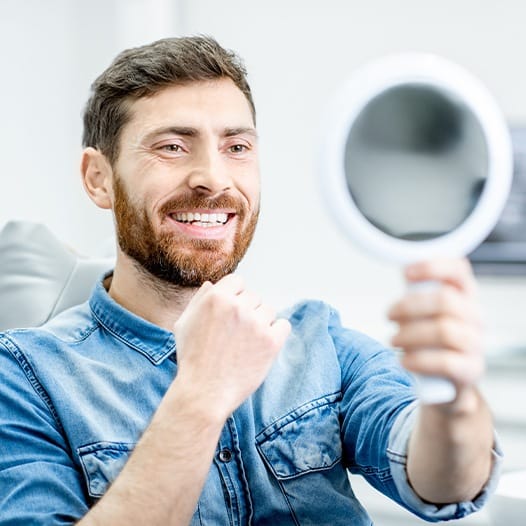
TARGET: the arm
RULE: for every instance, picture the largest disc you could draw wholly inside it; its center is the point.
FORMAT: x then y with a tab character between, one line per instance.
450	450
169	477
227	341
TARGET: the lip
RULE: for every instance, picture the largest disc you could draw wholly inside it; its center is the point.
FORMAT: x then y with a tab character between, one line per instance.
189	230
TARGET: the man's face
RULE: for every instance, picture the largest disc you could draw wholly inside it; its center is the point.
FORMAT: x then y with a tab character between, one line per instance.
186	182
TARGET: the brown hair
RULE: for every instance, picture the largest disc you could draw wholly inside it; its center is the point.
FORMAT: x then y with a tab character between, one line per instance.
143	71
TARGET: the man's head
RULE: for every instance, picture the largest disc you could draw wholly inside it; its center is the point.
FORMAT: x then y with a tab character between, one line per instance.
171	148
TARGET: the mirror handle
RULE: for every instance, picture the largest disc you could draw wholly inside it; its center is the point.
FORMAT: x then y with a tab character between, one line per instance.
434	389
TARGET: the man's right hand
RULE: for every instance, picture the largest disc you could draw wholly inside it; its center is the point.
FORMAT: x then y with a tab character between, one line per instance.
227	340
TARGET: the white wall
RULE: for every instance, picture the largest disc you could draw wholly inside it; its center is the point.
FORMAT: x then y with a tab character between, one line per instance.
297	52
50	52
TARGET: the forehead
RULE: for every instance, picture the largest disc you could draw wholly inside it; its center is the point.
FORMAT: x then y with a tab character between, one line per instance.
216	103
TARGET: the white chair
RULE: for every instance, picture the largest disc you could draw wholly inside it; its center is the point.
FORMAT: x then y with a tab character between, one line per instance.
40	276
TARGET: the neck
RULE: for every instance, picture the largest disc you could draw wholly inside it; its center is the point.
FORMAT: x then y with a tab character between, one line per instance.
152	299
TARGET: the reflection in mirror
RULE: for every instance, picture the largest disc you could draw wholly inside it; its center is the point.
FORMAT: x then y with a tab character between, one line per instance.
416	161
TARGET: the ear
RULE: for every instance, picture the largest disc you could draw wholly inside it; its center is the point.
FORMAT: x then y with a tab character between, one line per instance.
97	176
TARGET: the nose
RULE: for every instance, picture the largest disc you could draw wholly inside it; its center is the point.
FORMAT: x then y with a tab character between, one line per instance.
209	173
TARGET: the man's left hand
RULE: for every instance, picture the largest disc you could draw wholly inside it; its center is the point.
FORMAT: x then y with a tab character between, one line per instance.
440	328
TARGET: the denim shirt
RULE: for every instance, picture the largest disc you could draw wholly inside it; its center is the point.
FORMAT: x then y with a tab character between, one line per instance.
76	394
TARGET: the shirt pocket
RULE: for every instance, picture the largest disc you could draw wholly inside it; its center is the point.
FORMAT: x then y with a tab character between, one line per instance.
101	463
303	441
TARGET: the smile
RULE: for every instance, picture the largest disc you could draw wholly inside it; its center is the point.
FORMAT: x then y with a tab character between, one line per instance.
201	219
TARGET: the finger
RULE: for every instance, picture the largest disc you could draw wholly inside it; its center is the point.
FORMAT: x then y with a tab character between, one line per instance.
230	284
445	332
444	301
248	300
280	329
460	368
266	313
456	272
201	291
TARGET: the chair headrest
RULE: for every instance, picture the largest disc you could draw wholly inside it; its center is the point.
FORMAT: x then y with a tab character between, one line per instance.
40	276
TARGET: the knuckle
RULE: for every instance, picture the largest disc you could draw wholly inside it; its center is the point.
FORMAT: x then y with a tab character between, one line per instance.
471	370
270	312
396	339
206	285
239	312
446	297
450	366
443	330
409	360
213	297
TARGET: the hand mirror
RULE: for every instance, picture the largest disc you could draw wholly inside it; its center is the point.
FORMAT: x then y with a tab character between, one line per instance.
416	164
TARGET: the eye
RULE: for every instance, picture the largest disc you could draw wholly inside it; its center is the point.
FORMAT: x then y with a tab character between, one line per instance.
172	148
238	148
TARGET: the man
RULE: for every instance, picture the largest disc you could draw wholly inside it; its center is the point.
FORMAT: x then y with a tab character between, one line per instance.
175	395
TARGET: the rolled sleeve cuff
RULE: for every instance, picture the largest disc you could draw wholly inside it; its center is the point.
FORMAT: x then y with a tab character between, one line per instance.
397	455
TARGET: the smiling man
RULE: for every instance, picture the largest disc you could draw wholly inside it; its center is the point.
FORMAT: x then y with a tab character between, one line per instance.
190	155
175	396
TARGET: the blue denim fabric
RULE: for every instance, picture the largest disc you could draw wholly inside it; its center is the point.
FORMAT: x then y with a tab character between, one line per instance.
77	393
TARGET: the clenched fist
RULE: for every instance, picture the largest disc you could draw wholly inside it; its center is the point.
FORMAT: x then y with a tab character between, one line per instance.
227	340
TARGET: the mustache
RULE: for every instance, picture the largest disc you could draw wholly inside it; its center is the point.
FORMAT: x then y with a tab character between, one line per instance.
190	201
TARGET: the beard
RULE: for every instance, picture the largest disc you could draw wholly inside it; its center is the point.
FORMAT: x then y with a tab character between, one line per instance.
179	261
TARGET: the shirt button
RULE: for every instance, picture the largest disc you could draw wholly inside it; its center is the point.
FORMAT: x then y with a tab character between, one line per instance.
225	455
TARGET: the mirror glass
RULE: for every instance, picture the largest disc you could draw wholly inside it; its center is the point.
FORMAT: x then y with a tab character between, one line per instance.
416	161
415	158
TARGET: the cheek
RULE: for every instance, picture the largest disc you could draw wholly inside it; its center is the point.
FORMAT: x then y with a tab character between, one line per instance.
142	171
144	192
249	187
130	201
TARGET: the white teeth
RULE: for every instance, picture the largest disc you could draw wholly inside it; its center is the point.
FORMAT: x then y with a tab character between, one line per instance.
198	219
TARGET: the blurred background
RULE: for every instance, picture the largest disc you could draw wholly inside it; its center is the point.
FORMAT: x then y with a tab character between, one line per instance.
297	53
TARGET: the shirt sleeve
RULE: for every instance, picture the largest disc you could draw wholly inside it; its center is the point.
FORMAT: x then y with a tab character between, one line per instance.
39	482
397	454
378	411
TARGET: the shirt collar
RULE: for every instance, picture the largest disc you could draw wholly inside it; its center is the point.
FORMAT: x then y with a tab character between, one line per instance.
155	343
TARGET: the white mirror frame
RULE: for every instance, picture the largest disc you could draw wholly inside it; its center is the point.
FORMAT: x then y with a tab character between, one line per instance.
453	81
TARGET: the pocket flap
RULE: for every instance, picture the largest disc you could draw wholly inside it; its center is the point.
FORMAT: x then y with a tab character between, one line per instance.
102	462
307	439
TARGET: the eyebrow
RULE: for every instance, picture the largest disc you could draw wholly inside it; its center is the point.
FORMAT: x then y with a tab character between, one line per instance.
244	130
188	131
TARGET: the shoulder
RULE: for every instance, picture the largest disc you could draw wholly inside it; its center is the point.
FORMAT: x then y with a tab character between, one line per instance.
318	330
318	316
69	327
